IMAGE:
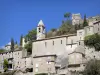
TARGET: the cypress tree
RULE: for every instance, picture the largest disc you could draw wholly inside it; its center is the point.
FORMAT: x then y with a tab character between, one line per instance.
21	40
85	23
12	44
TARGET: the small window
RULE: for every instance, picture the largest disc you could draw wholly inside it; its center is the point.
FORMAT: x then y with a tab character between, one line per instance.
18	63
71	41
53	42
79	43
61	41
25	62
18	53
39	29
89	29
71	45
45	44
98	29
80	38
80	33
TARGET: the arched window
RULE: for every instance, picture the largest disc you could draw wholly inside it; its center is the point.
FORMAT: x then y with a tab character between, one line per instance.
39	29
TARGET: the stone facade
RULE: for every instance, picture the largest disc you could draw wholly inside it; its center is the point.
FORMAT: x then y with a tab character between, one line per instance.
76	19
72	46
15	60
44	64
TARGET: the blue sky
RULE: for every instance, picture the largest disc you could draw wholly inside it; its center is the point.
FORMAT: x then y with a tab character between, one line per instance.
19	16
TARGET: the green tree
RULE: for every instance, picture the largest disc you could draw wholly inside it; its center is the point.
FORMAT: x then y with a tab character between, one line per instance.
93	41
92	67
29	38
85	23
53	29
31	35
67	15
12	44
66	28
29	47
2	50
21	40
5	65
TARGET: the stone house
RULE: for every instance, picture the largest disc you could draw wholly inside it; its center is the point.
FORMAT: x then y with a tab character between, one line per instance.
44	64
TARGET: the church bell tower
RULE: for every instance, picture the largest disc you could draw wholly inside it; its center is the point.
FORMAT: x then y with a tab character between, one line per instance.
40	30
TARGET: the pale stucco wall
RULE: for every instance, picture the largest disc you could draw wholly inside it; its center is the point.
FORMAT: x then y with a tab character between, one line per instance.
75	58
41	65
47	46
80	34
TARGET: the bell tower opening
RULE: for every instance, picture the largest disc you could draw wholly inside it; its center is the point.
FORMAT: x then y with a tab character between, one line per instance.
40	30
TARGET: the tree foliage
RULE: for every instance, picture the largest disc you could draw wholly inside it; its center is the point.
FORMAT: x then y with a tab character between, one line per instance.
67	15
2	50
21	40
51	33
12	44
29	38
31	35
93	41
5	65
66	28
85	23
29	47
92	67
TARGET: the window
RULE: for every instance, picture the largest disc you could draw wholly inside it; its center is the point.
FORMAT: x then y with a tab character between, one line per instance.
79	43
71	45
83	65
45	44
25	62
80	38
18	63
18	53
61	41
89	29
39	29
48	62
53	42
98	29
94	56
71	41
80	33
